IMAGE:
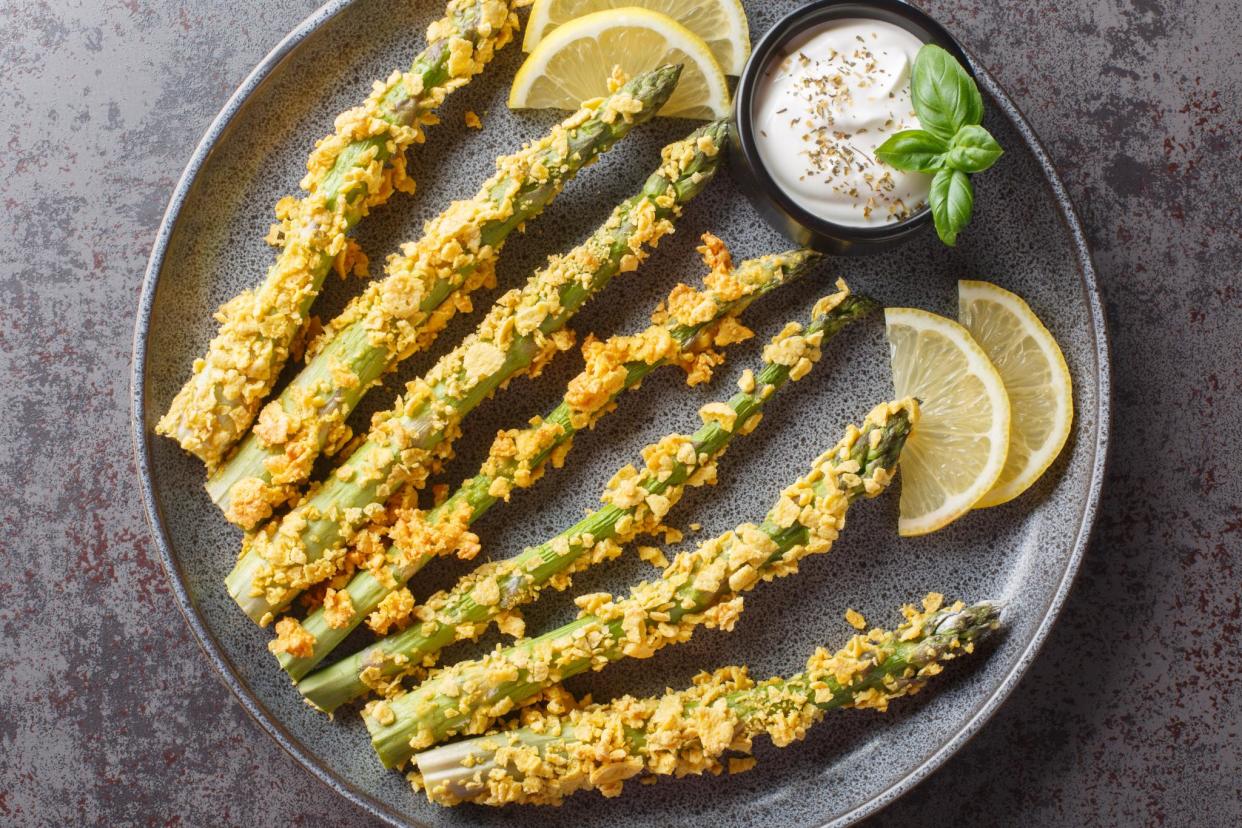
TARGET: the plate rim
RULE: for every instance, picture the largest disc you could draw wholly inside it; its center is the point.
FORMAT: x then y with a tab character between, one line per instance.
304	754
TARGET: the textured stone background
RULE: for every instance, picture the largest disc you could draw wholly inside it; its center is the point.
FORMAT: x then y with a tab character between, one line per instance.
109	714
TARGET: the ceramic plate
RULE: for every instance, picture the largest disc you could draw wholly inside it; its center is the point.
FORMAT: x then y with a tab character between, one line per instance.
1024	237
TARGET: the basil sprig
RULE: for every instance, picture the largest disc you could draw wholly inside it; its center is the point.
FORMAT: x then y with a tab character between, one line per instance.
951	146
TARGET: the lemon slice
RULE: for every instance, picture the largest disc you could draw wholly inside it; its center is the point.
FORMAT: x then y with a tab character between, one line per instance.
721	23
957	452
573	63
1035	374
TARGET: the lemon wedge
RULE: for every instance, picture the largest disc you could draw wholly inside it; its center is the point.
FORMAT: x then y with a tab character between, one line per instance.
1035	375
956	454
574	62
721	23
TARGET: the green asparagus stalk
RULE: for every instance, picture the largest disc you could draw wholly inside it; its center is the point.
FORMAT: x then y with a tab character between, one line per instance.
599	746
424	287
349	172
517	337
636	502
700	588
689	324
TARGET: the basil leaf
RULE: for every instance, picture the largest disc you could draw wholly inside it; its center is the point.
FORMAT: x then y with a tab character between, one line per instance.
973	150
952	200
914	150
945	96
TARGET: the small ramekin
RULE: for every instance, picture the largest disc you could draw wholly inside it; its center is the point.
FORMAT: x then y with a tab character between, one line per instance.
782	212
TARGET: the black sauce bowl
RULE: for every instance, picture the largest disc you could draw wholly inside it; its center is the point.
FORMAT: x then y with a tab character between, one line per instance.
782	212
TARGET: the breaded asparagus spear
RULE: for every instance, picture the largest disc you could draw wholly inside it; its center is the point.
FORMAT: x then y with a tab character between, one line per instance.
689	732
403	313
351	171
407	442
635	503
684	331
699	588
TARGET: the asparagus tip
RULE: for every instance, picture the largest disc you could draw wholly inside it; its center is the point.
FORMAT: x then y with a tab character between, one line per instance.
656	85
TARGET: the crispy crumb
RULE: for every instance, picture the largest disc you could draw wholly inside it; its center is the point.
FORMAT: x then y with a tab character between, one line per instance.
394	611
292	638
338	608
741	764
653	555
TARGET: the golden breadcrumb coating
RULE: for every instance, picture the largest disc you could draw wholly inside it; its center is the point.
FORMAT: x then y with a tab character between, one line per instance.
564	747
258	327
397	455
700	588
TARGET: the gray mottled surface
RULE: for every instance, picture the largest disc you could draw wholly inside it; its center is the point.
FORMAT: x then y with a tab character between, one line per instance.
111	714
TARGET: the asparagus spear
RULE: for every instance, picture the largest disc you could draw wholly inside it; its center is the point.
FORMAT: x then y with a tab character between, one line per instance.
689	732
520	333
635	504
349	172
424	288
686	324
702	587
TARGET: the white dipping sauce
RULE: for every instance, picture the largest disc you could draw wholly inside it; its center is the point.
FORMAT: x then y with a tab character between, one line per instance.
823	107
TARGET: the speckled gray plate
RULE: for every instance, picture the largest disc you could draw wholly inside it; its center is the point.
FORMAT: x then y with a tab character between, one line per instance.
1024	236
